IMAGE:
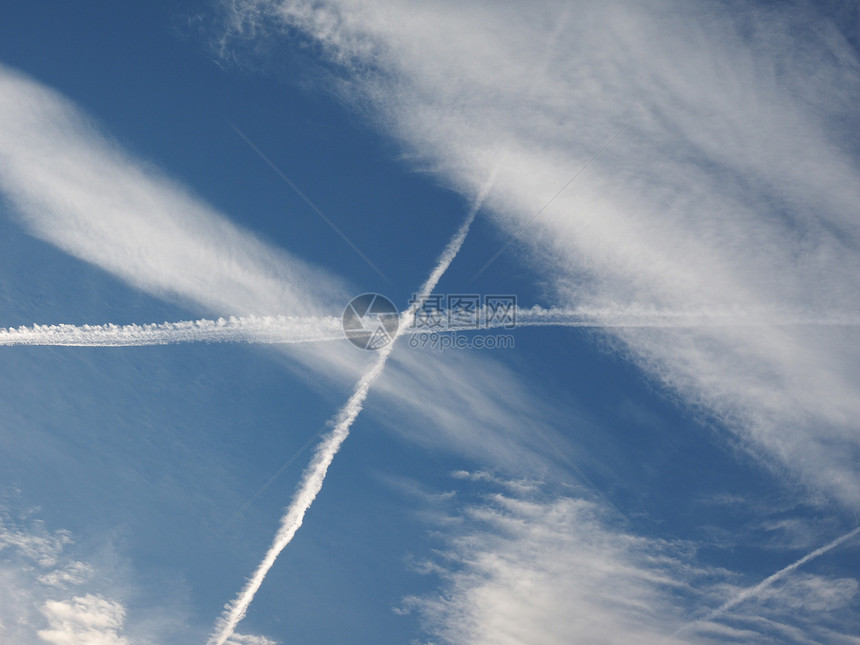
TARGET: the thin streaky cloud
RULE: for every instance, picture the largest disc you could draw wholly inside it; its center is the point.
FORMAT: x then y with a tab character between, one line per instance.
553	447
69	184
315	474
544	207
308	201
738	186
75	188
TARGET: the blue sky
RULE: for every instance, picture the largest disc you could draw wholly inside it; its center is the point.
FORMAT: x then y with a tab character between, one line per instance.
681	469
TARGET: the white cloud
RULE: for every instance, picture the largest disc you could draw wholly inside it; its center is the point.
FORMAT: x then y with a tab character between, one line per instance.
527	566
35	606
813	593
38	545
74	573
248	639
526	569
76	189
83	194
730	189
80	594
733	187
84	620
472	405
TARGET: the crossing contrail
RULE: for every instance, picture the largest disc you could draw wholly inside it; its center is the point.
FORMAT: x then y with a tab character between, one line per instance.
314	476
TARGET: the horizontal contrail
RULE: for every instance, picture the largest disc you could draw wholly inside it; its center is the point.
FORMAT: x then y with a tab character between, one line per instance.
639	317
245	329
307	329
314	476
453	320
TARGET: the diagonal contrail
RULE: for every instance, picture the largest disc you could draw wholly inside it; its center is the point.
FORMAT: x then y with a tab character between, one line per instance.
751	592
314	476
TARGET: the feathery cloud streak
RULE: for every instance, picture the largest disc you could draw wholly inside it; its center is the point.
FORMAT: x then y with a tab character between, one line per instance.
522	565
83	194
77	190
733	185
73	188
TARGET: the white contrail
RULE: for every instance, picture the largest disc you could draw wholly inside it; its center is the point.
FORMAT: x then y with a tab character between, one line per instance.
308	488
305	329
248	329
314	475
746	594
647	317
503	315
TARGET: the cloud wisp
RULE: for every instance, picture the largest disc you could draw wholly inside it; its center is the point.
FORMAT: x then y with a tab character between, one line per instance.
520	562
74	188
48	596
314	476
71	186
518	567
733	187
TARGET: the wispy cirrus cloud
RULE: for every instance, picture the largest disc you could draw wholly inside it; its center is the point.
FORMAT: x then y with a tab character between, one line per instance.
53	590
88	620
733	185
73	187
41	597
520	564
524	570
650	225
75	190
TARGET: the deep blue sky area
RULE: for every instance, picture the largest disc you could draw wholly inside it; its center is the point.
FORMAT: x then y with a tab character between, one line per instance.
585	485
